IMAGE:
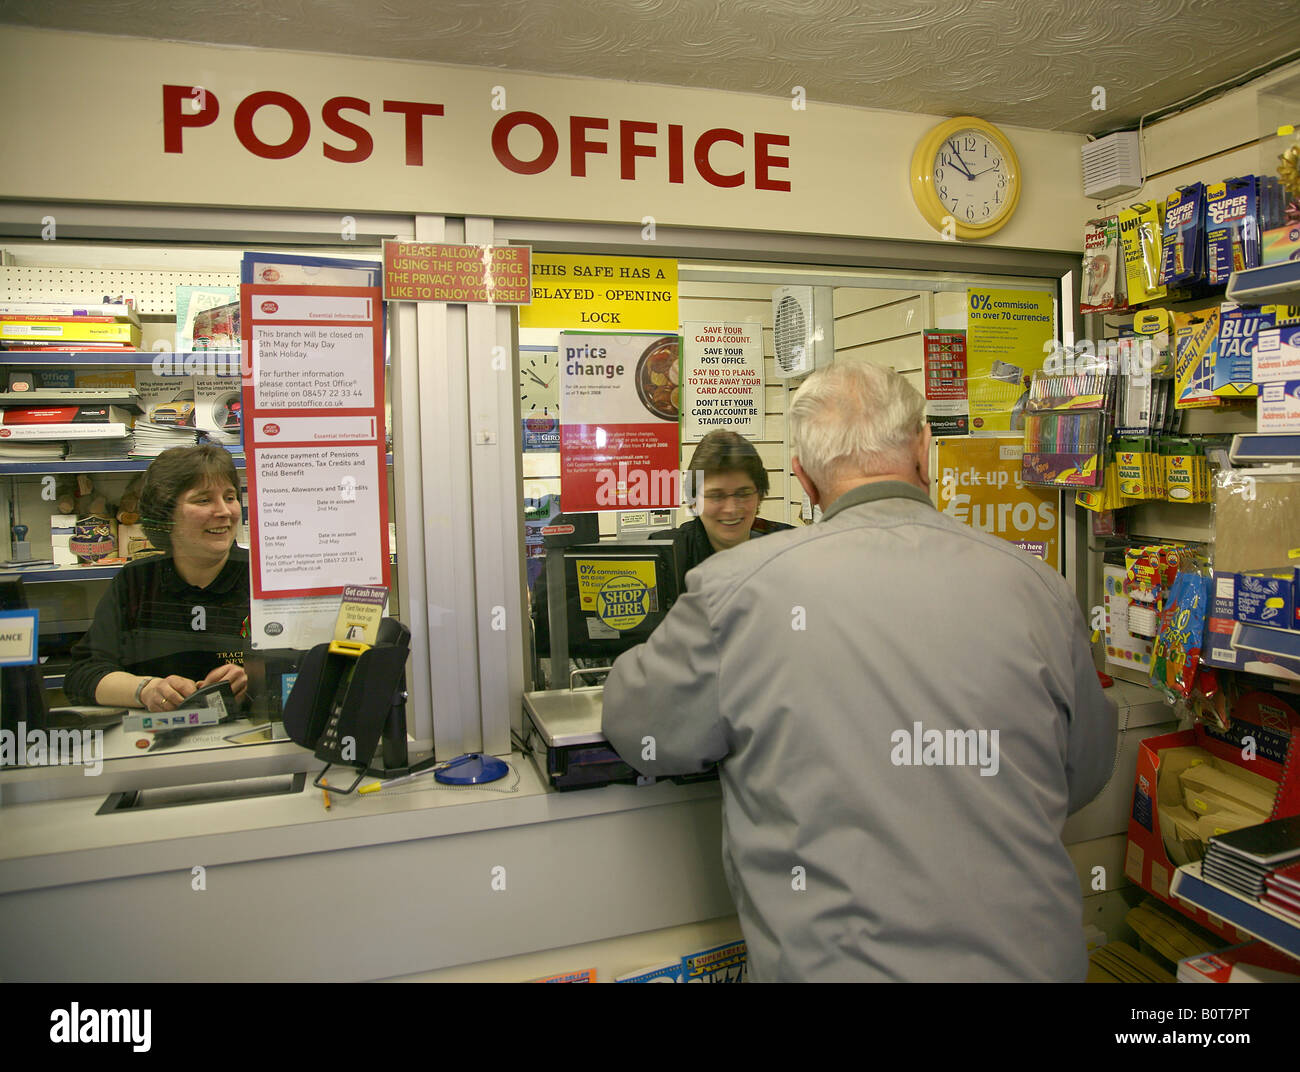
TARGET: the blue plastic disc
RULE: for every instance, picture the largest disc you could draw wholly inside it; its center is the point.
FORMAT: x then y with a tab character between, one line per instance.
472	769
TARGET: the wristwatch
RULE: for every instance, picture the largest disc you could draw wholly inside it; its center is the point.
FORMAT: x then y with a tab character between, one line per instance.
139	689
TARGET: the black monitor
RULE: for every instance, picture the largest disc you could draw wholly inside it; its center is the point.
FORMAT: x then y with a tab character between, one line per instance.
616	594
22	688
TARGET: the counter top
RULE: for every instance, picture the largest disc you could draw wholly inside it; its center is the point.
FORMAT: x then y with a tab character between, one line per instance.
58	842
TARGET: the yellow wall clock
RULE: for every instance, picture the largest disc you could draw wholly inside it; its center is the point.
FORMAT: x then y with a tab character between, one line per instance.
966	169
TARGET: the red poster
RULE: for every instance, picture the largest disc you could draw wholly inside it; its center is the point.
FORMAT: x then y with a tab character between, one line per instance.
619	407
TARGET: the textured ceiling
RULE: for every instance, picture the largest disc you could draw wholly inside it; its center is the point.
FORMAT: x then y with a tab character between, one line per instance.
1032	63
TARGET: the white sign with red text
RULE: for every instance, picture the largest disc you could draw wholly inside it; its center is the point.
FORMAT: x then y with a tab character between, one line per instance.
314	413
722	379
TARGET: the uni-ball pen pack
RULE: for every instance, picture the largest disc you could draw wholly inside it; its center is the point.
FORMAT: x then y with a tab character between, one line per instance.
1182	246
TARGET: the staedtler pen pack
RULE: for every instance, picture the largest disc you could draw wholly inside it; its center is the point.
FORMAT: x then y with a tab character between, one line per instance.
1183	246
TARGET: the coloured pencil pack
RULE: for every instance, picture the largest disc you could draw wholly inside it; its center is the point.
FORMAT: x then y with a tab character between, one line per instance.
1139	236
1182	245
1066	427
1103	277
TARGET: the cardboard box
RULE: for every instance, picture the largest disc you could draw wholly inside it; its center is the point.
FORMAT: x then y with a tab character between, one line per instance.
1269	722
1217	649
1277	355
1279	407
1280	244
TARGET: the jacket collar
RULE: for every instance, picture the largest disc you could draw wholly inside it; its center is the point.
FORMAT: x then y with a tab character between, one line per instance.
873	492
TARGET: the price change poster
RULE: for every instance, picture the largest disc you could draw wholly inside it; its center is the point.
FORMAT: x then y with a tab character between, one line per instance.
314	437
619	407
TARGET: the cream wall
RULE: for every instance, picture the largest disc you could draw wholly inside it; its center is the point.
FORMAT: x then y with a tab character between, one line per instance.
98	100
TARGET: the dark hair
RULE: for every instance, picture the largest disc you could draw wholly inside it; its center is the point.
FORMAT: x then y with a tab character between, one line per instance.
171	475
723	451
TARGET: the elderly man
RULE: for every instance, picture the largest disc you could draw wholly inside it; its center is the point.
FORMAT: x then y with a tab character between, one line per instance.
905	711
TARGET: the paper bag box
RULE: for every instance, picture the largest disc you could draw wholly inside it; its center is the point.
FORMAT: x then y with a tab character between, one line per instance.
1163	833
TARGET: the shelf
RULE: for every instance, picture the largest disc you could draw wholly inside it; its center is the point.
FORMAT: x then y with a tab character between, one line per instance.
89	465
1273	284
1265	447
215	362
65	573
1244	914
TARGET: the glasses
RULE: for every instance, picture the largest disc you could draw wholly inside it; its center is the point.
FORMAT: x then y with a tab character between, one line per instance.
717	498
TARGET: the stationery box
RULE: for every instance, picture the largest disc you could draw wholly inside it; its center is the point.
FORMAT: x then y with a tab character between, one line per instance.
1155	851
1276	355
1280	244
1267	597
1279	407
1217	649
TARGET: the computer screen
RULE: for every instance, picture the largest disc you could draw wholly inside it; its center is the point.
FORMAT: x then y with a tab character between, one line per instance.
617	594
22	688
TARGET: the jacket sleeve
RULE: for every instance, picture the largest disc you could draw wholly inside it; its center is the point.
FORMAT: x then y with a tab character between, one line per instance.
661	710
99	651
1093	726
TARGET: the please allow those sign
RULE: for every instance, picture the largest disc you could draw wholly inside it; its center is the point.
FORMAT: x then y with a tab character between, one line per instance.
423	271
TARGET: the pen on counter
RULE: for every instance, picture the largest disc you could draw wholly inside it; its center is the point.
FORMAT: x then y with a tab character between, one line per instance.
325	790
375	787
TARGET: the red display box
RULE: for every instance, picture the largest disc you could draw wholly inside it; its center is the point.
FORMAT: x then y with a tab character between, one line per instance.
1264	726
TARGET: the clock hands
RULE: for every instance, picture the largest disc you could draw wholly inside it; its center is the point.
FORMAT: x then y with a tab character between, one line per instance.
537	379
964	168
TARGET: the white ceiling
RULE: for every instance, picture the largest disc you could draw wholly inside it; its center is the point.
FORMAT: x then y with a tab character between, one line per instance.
1032	63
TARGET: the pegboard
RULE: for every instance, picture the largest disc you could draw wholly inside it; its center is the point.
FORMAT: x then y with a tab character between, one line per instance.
154	291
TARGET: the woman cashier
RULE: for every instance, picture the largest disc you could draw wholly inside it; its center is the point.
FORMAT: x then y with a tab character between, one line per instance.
731	483
171	624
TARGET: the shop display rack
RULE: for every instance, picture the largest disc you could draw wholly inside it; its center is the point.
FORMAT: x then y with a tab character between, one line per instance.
1272	284
1243	913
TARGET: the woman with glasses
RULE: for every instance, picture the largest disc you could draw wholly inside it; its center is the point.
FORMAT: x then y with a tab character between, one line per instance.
727	482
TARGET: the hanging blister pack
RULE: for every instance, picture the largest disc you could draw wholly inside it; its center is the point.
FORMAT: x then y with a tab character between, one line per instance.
1183	247
1140	234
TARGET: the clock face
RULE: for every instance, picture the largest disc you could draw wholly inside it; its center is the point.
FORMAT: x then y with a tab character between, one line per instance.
973	178
539	384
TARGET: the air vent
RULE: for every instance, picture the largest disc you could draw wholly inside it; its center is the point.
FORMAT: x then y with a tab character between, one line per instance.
1112	166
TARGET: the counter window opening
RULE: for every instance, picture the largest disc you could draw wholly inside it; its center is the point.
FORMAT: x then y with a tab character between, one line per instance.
862	315
153	575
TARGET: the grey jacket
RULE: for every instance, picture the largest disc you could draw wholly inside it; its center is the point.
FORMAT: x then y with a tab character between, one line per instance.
851	678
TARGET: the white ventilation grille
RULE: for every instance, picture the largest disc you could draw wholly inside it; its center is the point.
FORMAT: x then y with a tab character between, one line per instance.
1112	166
790	331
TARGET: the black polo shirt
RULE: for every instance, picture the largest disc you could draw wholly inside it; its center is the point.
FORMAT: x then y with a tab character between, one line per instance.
152	622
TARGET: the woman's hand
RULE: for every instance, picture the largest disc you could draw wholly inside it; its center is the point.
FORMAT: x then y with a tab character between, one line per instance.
167	693
231	672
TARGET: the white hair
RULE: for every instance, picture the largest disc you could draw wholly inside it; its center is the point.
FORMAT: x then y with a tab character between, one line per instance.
855	419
